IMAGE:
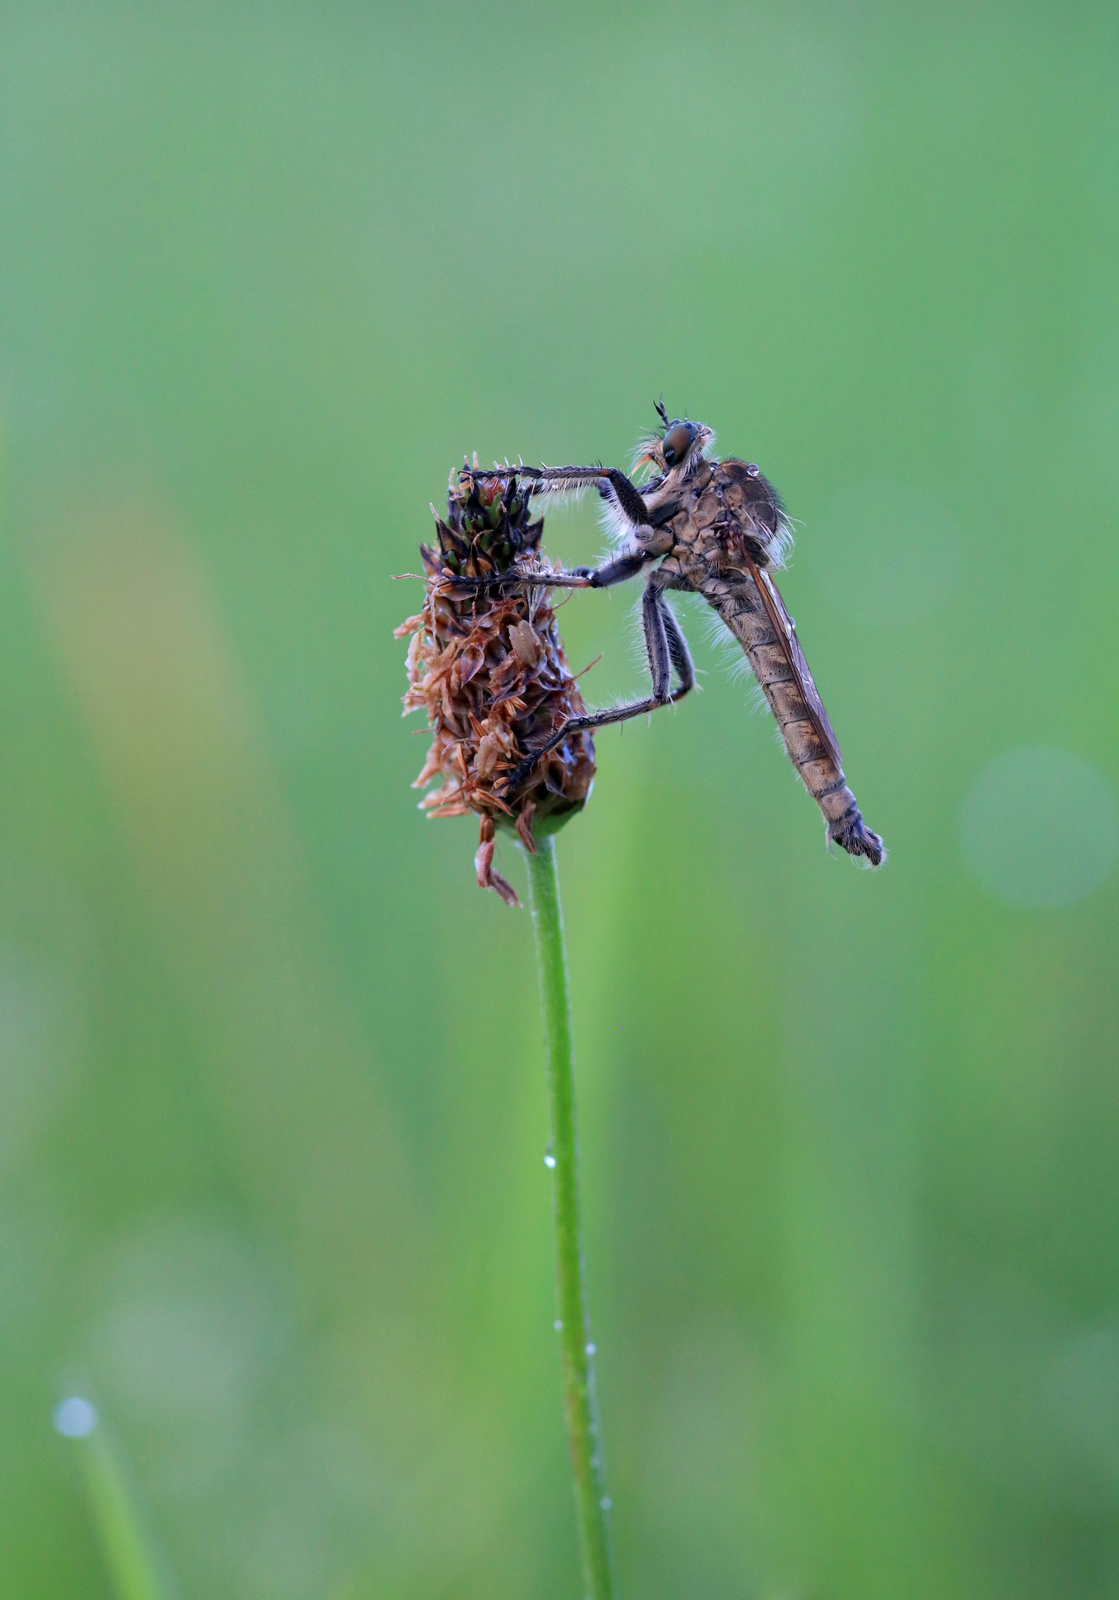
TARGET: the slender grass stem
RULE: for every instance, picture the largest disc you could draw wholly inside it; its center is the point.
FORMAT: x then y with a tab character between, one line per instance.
125	1543
576	1348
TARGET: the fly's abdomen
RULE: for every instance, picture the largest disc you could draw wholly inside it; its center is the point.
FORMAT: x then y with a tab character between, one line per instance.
741	607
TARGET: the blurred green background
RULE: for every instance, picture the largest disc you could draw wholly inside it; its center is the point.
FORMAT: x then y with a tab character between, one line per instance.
272	1114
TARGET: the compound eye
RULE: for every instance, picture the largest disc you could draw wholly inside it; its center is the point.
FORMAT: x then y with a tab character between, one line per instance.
678	441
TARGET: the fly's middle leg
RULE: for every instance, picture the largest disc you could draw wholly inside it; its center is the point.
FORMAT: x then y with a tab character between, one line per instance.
609	481
611	572
616	571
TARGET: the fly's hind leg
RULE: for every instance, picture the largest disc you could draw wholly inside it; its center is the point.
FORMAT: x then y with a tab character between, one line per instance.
666	649
678	650
654	613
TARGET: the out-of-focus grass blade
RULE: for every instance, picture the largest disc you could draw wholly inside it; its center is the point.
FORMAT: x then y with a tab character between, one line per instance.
128	1547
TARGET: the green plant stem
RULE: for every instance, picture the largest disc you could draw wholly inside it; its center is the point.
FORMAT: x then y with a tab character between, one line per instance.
575	1326
127	1548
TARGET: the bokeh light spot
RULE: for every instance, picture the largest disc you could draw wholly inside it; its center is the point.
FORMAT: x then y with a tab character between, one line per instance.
1039	826
74	1417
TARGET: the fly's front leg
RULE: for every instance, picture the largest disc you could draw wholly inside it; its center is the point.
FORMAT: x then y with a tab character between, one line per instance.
577	579
620	493
665	647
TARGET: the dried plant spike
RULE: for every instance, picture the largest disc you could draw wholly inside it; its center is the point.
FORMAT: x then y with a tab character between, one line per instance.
488	667
483	864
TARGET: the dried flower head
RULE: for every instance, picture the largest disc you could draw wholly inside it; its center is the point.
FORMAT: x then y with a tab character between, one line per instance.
488	667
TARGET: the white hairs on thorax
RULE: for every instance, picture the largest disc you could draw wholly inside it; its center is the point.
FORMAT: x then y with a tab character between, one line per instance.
779	545
614	523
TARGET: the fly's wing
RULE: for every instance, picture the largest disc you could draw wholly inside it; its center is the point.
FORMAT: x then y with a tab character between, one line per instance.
784	628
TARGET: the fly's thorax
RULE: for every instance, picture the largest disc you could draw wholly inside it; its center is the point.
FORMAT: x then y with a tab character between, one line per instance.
742	512
714	562
690	540
676	498
676	488
684	568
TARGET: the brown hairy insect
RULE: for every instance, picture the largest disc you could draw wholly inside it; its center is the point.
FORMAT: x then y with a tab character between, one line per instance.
718	529
487	665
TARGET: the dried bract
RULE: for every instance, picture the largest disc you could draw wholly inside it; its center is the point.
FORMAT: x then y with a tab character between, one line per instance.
488	667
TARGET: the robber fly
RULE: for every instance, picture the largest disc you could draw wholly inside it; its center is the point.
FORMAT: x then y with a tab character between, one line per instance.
715	528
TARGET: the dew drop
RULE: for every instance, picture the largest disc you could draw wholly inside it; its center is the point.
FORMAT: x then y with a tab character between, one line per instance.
591	1349
558	1325
753	469
75	1418
549	1158
606	1502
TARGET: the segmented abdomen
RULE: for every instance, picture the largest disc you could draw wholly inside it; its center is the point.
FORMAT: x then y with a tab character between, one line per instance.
742	610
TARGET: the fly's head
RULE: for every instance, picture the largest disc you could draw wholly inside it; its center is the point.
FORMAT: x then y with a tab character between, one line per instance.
676	449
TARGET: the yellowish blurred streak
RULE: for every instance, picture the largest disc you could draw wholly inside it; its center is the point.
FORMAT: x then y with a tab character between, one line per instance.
150	667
